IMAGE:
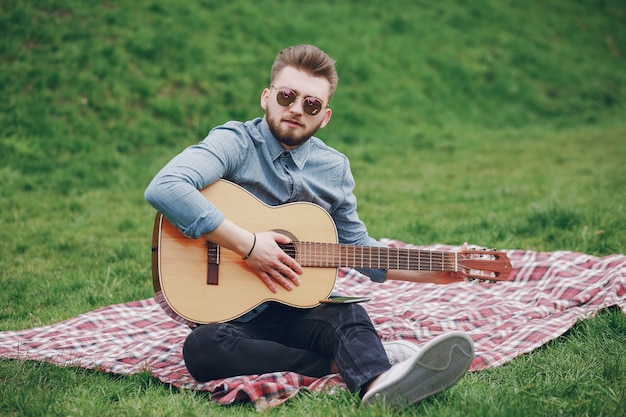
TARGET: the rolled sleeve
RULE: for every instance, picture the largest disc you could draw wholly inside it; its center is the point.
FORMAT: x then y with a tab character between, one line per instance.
174	191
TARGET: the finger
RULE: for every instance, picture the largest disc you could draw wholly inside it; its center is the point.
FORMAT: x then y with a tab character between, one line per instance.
281	238
294	267
281	280
290	269
291	275
269	283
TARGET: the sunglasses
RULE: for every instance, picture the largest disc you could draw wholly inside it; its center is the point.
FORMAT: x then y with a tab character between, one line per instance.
286	97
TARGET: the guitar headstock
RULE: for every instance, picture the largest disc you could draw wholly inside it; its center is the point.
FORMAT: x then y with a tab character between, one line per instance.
483	265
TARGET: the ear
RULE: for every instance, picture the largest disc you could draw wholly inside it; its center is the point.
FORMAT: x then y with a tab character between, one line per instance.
327	115
265	95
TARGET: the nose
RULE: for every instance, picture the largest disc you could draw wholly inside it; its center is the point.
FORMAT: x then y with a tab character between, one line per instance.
297	106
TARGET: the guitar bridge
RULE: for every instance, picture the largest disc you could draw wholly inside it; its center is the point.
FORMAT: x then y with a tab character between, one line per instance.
213	263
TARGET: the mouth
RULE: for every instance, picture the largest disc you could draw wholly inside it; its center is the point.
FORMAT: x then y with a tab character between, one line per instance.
292	123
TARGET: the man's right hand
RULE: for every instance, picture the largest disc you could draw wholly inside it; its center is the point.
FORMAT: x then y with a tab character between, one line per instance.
271	264
261	252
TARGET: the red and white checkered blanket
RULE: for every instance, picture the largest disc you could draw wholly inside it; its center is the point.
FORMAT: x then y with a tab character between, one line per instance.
544	296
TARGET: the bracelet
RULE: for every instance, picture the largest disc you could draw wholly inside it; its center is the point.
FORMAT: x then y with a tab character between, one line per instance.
251	249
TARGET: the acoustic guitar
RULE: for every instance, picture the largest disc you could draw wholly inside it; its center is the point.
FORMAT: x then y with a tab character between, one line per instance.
198	282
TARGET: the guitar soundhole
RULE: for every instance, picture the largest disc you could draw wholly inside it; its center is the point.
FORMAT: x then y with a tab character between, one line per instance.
288	248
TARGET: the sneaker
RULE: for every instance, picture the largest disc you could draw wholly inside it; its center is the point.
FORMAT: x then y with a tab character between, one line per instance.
437	366
400	350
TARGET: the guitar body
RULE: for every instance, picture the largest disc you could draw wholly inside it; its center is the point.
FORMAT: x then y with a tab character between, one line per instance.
180	266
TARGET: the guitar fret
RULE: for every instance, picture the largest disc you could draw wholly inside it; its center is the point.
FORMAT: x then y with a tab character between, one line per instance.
330	255
408	259
377	256
396	261
316	257
358	256
317	254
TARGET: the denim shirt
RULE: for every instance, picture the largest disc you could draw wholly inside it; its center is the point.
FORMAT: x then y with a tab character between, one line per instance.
247	154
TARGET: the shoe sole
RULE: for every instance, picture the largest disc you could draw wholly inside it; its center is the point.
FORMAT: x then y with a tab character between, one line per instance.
438	366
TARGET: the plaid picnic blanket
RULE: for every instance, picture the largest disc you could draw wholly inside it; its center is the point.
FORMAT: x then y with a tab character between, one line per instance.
544	296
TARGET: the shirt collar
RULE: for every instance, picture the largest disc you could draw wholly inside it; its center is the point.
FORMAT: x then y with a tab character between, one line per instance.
299	155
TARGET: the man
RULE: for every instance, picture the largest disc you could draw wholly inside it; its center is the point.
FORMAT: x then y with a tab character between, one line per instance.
278	159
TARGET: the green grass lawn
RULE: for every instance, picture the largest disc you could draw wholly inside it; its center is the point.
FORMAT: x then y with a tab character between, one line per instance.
499	123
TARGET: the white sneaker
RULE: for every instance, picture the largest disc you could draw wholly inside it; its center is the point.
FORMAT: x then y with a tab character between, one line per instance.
437	366
400	350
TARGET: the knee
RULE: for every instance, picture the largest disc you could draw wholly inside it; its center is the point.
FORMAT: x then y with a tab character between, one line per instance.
359	314
197	342
199	351
345	317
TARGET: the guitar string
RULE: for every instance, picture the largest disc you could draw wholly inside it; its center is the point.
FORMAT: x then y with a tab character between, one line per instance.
317	254
333	255
339	255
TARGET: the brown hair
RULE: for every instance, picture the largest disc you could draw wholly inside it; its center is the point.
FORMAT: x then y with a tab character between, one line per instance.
307	58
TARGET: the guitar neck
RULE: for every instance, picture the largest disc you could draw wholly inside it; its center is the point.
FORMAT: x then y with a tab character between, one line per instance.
332	255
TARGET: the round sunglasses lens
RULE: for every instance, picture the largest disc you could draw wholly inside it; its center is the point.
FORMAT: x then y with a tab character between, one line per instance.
311	106
285	97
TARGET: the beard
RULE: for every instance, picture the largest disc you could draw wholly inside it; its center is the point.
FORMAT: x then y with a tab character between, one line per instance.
288	136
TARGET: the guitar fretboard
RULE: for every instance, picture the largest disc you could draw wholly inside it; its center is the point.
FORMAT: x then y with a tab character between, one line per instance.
332	255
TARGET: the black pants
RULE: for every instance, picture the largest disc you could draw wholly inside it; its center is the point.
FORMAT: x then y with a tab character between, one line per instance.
284	338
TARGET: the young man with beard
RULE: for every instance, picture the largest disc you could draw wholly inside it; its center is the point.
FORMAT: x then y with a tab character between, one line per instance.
278	159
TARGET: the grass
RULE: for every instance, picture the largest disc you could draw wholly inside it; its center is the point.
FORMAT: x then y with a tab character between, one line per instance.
490	122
